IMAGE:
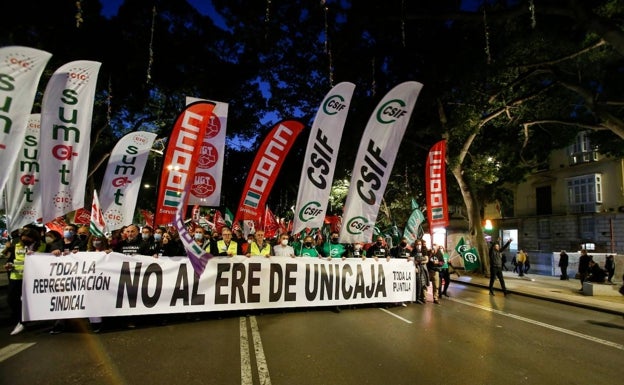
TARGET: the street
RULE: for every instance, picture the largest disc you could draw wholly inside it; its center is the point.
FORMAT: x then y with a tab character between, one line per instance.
471	338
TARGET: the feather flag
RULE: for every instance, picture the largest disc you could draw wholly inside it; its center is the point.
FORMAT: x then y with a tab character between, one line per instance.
183	151
97	225
264	170
435	180
66	117
413	229
374	161
317	172
20	72
271	225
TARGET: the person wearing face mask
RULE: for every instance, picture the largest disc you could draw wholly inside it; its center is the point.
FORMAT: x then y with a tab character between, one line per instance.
97	243
245	247
202	238
402	250
148	242
333	248
53	241
29	242
308	248
71	242
283	249
420	256
357	251
83	234
379	249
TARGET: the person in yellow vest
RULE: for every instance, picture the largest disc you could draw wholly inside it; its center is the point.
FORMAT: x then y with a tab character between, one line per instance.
226	246
29	242
521	259
259	246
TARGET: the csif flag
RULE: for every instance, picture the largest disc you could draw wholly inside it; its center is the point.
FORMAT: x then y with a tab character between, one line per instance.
317	173
183	150
374	160
66	113
469	255
20	71
413	229
435	180
264	171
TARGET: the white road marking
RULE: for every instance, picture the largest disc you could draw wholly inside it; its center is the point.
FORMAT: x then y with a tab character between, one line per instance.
246	377
395	315
542	324
12	349
263	369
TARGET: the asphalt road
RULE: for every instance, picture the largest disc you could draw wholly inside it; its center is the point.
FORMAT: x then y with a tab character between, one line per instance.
471	338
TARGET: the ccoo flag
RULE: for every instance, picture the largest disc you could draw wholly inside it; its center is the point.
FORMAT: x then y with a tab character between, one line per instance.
66	112
183	150
435	180
20	71
122	179
375	158
264	171
317	173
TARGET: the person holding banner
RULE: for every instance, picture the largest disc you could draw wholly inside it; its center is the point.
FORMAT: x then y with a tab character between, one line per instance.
283	249
379	249
259	247
357	251
308	248
29	242
132	243
496	265
226	246
333	248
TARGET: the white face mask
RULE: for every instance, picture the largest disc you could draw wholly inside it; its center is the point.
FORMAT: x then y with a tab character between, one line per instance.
284	242
358	247
199	236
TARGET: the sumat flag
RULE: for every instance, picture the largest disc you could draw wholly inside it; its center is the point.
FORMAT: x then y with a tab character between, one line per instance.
183	151
20	71
375	158
97	226
66	112
206	185
198	256
122	179
470	255
413	229
23	194
435	180
264	171
317	173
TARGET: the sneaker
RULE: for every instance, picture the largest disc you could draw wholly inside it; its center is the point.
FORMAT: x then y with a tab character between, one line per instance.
17	329
96	327
403	304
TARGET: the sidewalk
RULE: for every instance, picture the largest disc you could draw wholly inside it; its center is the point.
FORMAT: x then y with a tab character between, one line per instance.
547	288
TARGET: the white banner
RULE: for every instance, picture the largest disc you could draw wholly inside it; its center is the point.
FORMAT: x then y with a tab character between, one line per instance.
317	173
20	71
96	284
66	113
206	186
24	192
375	158
122	179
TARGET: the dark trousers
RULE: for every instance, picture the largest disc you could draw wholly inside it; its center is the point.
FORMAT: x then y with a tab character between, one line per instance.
564	272
14	297
446	276
497	272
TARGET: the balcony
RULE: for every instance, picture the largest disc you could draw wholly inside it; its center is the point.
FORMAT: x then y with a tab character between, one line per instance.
582	157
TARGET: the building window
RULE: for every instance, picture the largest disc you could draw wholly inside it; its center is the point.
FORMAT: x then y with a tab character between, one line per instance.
584	192
587	227
543	228
582	150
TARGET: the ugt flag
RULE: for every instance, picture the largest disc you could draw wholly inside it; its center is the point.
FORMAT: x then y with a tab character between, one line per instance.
470	255
375	158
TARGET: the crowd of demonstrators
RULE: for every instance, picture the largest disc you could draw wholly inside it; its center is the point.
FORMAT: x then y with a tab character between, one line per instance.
496	265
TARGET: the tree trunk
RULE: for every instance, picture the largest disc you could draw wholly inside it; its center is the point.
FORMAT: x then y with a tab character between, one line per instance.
474	221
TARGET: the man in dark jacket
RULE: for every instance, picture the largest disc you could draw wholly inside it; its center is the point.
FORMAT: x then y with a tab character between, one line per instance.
563	265
496	265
